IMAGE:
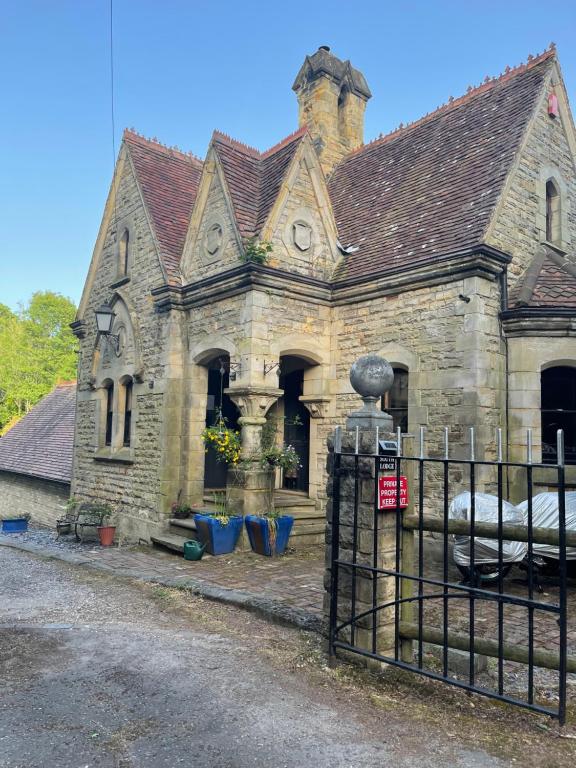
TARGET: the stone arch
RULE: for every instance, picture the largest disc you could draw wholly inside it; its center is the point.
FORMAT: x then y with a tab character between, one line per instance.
301	346
556	363
128	361
212	346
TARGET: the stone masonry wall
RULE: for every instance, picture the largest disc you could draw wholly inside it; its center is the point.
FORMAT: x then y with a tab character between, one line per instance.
520	225
302	205
454	355
44	500
227	255
133	485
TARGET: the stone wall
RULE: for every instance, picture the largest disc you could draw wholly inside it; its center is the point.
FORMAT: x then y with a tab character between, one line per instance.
454	355
130	479
519	225
44	500
303	206
214	246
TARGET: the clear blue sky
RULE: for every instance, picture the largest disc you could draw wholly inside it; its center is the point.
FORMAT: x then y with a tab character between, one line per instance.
183	68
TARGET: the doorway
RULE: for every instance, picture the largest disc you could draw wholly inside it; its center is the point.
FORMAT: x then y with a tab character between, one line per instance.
218	405
296	424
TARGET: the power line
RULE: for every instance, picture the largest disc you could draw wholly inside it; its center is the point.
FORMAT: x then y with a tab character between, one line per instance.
112	115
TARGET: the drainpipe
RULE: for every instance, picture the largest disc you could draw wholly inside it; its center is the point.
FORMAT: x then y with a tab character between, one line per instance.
503	281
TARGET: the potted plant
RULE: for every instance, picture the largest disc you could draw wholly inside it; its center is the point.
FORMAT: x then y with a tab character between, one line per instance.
12	523
218	531
180	511
269	534
106	530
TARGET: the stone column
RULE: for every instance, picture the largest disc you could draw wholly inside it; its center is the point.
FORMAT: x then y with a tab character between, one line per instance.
375	542
250	488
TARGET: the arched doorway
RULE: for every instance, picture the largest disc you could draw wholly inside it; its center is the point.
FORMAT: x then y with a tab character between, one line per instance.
218	406
296	430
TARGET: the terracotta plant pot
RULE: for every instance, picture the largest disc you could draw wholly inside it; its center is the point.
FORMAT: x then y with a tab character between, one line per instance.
106	535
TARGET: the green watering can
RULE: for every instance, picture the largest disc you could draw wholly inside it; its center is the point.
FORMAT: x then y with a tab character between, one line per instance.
193	550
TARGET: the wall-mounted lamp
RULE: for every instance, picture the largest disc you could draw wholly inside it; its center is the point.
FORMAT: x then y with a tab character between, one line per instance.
270	367
233	369
104	321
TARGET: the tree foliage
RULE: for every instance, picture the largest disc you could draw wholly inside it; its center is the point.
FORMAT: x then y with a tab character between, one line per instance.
37	349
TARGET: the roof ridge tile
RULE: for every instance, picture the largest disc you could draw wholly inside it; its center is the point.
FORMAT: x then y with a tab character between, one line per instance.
132	135
286	140
471	92
235	144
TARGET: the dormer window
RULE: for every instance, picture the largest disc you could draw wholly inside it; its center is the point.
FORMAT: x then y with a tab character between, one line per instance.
553	232
123	253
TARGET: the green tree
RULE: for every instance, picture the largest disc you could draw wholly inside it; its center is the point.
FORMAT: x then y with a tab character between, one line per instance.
37	348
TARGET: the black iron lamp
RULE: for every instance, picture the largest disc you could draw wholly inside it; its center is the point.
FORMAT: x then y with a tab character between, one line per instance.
104	321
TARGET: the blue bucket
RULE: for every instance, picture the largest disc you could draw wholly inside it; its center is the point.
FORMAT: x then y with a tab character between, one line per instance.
15	525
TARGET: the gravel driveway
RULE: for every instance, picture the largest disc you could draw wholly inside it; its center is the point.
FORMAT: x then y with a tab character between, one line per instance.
99	671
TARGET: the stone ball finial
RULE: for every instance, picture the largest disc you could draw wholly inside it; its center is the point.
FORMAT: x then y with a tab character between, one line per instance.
371	376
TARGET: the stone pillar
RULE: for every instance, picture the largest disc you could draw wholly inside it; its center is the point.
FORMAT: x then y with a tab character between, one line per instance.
375	541
250	488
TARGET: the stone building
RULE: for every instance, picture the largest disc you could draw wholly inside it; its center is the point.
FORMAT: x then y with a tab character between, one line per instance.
36	459
447	246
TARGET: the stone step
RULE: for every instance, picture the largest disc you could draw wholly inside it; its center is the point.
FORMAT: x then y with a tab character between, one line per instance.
175	543
301	513
186	527
282	500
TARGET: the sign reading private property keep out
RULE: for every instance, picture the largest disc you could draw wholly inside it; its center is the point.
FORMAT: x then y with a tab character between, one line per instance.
387	492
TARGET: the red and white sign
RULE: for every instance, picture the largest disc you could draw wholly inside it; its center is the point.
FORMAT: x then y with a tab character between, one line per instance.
387	492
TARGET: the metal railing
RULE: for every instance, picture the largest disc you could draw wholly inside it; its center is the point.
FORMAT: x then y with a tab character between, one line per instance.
381	604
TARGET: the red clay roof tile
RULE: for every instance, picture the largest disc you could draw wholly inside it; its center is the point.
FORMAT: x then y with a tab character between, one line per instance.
429	189
169	181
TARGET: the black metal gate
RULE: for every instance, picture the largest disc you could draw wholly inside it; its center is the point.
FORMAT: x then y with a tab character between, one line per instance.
409	607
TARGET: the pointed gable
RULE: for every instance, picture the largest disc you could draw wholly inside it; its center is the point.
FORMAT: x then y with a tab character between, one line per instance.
429	189
254	179
169	182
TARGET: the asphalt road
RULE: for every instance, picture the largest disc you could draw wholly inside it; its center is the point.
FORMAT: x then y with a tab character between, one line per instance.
97	671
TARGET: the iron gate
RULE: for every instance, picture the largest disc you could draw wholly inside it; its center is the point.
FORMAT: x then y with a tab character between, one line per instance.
402	607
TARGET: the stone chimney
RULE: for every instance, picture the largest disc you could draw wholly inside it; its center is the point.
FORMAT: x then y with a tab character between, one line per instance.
332	97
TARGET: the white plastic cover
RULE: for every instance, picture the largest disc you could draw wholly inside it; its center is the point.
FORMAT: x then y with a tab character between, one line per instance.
486	511
545	515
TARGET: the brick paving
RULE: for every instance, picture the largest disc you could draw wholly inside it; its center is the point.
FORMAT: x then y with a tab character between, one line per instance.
295	580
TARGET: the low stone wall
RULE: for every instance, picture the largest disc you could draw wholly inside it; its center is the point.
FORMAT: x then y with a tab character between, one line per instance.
42	499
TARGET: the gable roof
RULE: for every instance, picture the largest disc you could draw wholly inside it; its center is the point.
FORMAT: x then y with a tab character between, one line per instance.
169	181
429	189
549	282
254	178
41	444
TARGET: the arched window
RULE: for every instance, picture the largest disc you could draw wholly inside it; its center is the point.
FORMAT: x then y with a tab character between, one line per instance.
553	230
109	414
123	253
395	401
558	408
127	409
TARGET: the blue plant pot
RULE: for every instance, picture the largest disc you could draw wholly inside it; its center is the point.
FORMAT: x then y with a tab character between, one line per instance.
15	525
259	534
219	539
